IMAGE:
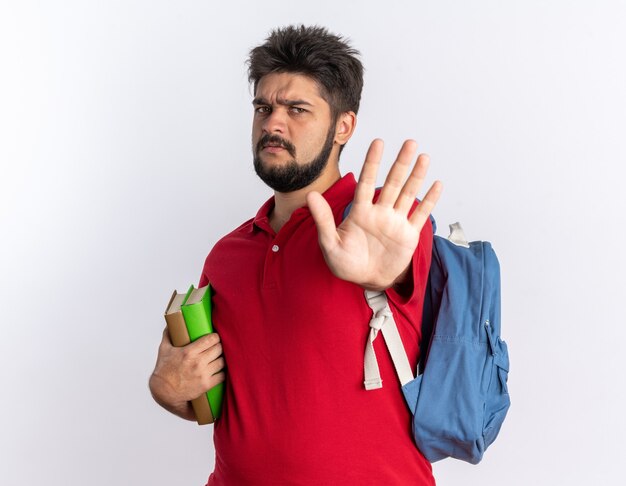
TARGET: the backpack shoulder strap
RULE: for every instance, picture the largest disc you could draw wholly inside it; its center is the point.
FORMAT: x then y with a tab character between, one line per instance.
457	236
383	321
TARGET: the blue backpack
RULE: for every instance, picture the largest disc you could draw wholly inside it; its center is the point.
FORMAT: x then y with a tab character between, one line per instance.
459	398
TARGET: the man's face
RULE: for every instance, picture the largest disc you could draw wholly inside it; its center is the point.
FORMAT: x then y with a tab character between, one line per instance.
292	132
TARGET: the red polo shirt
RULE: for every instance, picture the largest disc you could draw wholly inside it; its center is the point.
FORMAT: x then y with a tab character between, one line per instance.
295	409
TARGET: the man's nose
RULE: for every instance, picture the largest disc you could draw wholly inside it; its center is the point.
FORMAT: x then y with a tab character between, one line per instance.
275	122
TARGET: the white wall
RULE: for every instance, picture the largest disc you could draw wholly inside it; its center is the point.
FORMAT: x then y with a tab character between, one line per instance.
125	154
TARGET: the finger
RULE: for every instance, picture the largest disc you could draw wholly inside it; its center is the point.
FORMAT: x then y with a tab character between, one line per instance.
211	380
202	344
367	179
395	179
423	210
216	366
324	219
166	341
205	342
413	184
212	353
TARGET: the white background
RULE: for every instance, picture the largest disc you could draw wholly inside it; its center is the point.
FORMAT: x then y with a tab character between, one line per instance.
125	154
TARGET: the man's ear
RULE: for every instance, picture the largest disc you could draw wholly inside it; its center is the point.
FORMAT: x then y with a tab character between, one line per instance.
344	128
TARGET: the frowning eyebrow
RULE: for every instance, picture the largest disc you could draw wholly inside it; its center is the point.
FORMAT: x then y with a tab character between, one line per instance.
280	101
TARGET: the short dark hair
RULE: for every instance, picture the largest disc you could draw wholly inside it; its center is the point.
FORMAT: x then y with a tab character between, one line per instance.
315	52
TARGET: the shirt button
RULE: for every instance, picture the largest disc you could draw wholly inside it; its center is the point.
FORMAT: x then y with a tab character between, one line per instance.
275	248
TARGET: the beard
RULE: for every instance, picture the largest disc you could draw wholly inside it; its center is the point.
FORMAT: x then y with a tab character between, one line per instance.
292	176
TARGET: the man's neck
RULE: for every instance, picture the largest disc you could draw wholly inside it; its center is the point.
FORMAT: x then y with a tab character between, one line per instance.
285	203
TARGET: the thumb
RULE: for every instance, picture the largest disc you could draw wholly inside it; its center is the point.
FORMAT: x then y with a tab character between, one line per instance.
324	219
166	340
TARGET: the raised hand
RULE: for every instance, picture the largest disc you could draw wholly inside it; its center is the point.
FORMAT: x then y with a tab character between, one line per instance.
374	245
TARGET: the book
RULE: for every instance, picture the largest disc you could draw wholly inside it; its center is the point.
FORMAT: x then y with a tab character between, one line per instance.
188	317
197	313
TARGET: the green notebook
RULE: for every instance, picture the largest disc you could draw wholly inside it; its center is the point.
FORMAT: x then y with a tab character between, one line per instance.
197	313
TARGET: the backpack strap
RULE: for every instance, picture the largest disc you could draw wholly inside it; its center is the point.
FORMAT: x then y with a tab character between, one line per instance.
382	320
457	235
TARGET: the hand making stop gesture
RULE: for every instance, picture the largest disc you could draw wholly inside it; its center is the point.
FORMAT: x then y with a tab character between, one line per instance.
374	245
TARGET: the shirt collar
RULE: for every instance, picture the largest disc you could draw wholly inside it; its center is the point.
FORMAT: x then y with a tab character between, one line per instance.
337	195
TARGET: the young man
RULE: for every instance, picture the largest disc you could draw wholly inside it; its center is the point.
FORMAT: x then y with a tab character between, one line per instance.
289	284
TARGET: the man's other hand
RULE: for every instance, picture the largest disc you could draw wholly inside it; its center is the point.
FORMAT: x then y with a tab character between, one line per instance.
184	373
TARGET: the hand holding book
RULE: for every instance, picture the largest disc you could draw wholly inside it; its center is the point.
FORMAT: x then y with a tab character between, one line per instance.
188	318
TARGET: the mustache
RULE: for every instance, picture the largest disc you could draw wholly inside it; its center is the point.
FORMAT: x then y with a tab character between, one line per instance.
277	140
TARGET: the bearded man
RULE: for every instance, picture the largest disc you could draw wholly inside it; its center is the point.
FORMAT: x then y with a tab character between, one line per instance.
288	304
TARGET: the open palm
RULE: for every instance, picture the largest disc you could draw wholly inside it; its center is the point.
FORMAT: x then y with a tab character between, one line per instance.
374	245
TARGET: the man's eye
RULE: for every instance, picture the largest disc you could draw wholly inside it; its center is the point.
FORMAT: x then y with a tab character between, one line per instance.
297	110
262	109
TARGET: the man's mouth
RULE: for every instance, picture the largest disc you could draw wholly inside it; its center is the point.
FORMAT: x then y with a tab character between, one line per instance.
273	148
274	145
